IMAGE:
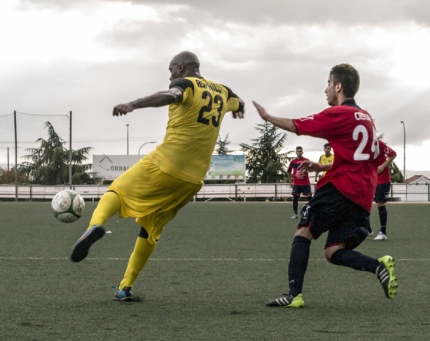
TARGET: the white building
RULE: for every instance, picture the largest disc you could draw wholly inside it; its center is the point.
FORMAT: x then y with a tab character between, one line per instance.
417	188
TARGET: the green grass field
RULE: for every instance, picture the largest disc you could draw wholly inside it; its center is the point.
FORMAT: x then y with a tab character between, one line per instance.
215	267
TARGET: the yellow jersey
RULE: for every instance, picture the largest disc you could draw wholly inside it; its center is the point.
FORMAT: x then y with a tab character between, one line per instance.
326	160
193	128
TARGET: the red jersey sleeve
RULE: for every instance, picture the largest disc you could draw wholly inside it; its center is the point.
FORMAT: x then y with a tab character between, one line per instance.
385	152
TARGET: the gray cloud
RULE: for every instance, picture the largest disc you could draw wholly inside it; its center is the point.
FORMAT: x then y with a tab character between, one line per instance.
276	12
53	4
147	35
286	70
305	12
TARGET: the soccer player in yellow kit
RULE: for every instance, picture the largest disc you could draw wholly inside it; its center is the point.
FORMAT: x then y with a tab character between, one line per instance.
326	159
165	180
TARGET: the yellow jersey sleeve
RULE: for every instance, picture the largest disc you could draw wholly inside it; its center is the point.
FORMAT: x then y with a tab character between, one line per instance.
193	128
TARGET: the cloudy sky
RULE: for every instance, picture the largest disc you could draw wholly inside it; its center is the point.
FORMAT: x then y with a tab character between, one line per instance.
86	56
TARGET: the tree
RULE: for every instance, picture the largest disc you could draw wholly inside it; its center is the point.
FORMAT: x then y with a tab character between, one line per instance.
264	160
49	164
222	146
396	174
8	176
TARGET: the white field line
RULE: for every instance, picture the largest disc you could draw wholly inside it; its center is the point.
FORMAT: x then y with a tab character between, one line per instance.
202	259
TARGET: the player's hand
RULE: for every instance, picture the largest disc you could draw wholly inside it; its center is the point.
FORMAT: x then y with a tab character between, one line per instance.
122	109
380	169
310	166
263	113
238	114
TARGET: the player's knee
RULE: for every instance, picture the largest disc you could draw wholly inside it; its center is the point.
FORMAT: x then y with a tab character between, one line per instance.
331	254
382	208
356	238
327	256
143	233
304	232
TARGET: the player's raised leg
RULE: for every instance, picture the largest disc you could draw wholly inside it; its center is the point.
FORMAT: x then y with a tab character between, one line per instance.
385	273
382	267
108	206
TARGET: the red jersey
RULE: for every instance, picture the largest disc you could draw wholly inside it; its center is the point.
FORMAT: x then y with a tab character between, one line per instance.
385	152
300	177
352	134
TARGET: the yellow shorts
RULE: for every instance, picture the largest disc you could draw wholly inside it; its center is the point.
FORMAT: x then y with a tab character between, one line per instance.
151	196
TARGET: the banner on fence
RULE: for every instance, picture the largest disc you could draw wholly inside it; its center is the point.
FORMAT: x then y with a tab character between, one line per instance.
223	167
109	167
226	167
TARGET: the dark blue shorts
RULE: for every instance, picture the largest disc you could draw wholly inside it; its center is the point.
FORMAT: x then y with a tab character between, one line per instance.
330	211
382	192
305	189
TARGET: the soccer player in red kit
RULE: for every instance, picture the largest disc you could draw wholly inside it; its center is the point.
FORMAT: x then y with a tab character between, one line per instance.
386	156
299	182
344	195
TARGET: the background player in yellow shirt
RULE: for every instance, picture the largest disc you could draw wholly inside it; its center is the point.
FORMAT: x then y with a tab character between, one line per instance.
165	180
326	159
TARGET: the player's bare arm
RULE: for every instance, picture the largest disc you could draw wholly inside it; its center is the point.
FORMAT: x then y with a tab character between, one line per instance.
159	99
386	163
240	112
311	166
281	122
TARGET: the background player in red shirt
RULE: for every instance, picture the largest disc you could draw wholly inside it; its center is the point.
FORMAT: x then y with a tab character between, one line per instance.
386	156
301	183
344	195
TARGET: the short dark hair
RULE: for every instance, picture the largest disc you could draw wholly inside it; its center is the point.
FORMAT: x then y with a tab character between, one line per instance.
298	147
327	145
348	76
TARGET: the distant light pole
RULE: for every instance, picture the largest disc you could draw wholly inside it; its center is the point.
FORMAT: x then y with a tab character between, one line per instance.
127	137
138	153
404	150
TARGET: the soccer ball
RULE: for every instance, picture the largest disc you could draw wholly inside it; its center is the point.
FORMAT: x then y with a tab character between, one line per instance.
67	206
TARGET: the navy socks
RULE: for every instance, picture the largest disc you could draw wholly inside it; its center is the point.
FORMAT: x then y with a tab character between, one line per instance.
299	258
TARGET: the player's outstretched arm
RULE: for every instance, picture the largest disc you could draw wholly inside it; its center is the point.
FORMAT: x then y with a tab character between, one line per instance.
311	166
240	112
283	123
386	163
159	99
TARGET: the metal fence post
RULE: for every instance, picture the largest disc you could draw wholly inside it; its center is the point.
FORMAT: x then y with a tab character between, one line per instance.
406	193
16	155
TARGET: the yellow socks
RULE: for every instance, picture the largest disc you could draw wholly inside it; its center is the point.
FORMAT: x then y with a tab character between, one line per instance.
141	254
108	205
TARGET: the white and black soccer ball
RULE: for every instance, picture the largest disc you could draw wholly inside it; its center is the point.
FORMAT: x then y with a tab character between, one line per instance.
67	206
